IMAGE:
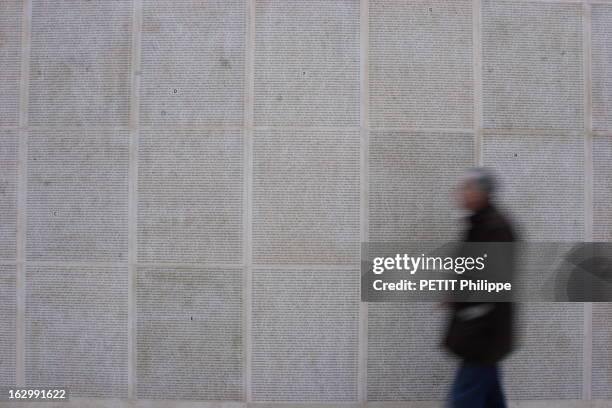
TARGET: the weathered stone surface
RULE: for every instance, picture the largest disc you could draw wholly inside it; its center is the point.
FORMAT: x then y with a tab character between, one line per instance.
10	61
305	196
532	65
192	62
420	64
189	333
541	180
8	320
190	196
307	63
80	63
305	335
76	329
77	198
9	146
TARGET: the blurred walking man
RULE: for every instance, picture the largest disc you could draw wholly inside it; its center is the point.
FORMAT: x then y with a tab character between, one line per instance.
480	333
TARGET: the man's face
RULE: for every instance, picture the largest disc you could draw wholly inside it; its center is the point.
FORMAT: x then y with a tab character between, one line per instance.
470	197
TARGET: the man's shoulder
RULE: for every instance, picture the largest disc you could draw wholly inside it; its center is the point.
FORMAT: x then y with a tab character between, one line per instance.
496	217
499	225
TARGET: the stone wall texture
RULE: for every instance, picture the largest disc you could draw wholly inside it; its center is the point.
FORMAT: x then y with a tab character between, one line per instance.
178	178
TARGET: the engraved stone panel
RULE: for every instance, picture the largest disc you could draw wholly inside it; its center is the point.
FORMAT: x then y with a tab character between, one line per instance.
307	62
9	146
189	333
602	188
10	61
192	62
602	352
541	183
8	314
305	335
547	362
76	329
77	195
80	62
305	196
303	184
532	65
420	63
190	196
411	181
405	361
601	66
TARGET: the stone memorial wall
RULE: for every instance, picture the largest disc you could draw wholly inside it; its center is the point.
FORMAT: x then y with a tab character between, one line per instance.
178	178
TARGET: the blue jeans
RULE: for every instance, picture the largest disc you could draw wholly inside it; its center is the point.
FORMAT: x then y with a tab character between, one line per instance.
477	386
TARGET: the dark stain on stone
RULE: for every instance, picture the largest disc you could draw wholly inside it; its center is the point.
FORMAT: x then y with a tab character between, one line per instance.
225	62
237	342
279	98
46	182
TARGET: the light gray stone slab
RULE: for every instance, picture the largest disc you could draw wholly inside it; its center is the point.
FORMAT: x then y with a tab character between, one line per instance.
80	62
307	62
601	65
547	362
189	334
305	196
8	320
9	146
532	65
405	360
305	330
76	329
10	61
420	64
77	195
411	182
602	188
541	183
601	374
192	62
190	187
